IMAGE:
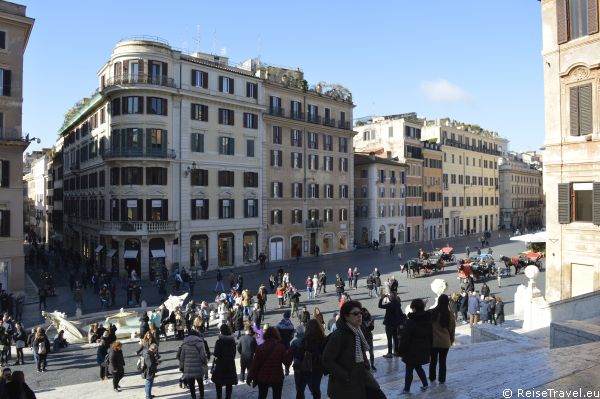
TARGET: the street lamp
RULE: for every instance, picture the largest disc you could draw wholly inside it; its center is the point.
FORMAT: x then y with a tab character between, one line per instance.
189	169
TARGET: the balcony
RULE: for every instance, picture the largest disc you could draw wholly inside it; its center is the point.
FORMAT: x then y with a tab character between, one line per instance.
140	80
277	111
298	115
329	122
313	118
138	228
344	125
138	153
314	224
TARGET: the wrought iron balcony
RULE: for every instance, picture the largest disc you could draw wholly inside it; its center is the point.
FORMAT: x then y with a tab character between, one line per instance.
298	115
344	125
277	111
313	118
314	224
139	80
138	153
329	122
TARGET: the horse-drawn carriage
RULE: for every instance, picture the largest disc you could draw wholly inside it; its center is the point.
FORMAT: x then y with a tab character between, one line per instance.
414	267
522	260
480	267
447	254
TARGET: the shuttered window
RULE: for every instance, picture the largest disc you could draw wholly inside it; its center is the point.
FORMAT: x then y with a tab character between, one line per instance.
564	203
4	173
580	108
4	223
199	79
596	204
576	18
5	81
199	209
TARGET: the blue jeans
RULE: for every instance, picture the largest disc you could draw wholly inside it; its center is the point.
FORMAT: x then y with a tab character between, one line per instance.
149	383
220	284
313	380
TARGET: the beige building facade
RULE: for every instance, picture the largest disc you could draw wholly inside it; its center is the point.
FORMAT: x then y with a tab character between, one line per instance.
433	221
521	193
470	176
15	28
399	137
307	165
379	200
571	54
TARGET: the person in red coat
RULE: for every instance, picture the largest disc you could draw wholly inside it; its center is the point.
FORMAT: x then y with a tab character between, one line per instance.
266	370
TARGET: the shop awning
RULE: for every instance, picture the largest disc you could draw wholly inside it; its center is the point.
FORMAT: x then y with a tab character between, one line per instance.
111	253
158	253
131	254
99	248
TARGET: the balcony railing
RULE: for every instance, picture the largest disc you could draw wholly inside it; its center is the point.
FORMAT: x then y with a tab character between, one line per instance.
329	122
299	115
344	125
313	118
138	153
140	227
139	80
277	111
314	224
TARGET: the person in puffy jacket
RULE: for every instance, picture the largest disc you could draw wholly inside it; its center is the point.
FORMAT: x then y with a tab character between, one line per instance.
193	361
266	370
225	372
116	363
415	345
394	317
443	326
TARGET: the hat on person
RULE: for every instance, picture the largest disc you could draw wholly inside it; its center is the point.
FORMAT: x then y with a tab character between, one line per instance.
299	329
287	314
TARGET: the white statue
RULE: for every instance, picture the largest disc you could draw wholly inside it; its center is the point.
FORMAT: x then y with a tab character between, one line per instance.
438	286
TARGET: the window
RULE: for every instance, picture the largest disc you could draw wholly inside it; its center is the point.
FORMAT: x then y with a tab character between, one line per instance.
197	144
276	157
343	143
313	162
328	190
199	177
226	145
226	209
226	84
5	81
296	138
343	191
250	148
251	90
156	176
101	178
313	113
276	189
4	174
250	179
313	140
327	142
250	208
4	223
156	106
157	209
226	116
276	216
277	135
132	210
114	176
132	175
580	106
296	190
578	18
199	79
313	214
313	190
327	163
275	106
250	120
296	110
2	40
132	105
199	209
199	112
296	160
226	178
328	215
296	216
343	164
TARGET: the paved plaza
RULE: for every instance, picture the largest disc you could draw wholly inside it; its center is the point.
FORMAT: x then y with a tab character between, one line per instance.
79	366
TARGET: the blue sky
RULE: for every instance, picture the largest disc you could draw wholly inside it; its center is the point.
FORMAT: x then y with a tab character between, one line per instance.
475	61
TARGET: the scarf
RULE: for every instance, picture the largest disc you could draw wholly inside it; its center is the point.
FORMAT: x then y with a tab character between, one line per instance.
361	343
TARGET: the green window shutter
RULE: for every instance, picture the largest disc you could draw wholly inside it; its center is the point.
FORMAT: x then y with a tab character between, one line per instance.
140	210
585	109
194	81
562	26
564	203
596	203
574	110
592	16
148	209
164	212
193	209
220	209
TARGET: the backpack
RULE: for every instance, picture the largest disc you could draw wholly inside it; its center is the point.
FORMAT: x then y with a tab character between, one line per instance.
42	348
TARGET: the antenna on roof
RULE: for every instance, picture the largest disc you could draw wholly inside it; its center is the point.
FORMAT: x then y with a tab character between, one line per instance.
197	39
214	42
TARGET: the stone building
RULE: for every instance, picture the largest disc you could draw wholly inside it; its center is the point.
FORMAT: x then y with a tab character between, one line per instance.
307	166
399	136
15	28
433	222
571	62
470	175
379	199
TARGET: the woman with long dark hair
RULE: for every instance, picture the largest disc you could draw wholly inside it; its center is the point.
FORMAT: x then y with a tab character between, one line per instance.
444	324
307	351
116	363
415	345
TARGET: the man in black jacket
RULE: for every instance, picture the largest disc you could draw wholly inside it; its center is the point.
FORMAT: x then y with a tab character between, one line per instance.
394	317
246	347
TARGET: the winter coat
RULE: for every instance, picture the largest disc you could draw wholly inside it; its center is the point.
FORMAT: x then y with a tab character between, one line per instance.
116	361
443	337
299	346
464	301
347	379
485	290
268	359
257	316
393	312
225	372
246	347
101	353
286	330
473	304
38	342
417	336
319	318
192	357
14	390
484	311
151	363
500	312
238	319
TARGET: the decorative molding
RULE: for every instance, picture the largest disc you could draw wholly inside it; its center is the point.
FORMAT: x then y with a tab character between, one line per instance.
226	194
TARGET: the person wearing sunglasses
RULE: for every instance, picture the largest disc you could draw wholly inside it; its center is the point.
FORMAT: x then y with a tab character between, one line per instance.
345	358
